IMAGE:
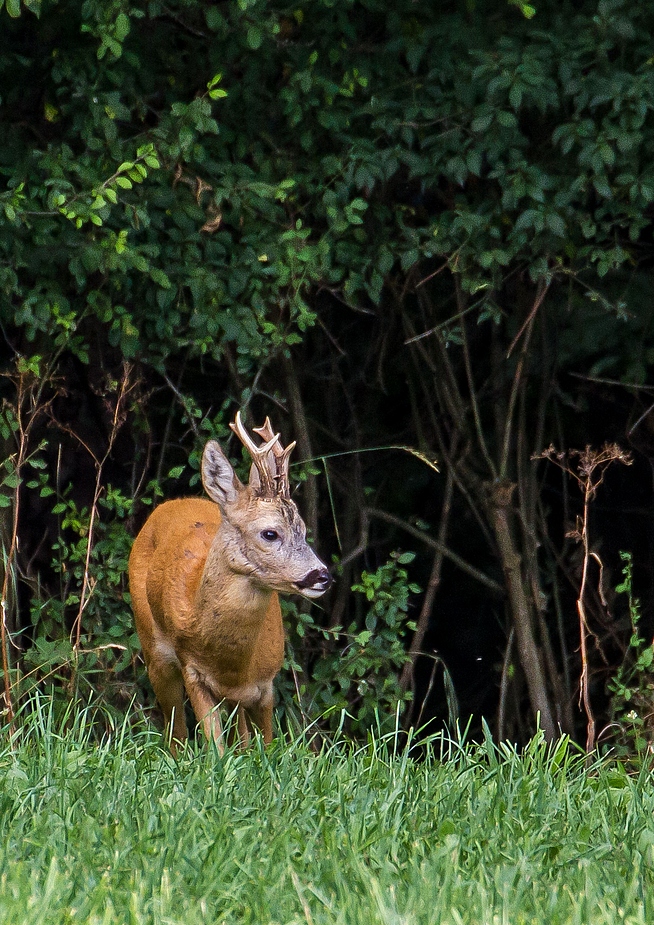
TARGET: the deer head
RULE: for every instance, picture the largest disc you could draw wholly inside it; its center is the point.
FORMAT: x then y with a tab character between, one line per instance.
262	535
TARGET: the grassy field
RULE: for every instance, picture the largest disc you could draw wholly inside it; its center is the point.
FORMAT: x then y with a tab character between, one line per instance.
119	832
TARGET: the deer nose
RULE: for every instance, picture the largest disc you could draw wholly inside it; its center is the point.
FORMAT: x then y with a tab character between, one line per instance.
323	578
317	579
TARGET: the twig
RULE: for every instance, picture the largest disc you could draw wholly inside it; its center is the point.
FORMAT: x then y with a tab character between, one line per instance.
440	547
29	388
306	719
88	585
504	685
407	678
183	402
538	301
518	378
479	430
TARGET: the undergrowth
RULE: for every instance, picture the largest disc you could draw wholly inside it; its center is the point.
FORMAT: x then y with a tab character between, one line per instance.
116	830
632	688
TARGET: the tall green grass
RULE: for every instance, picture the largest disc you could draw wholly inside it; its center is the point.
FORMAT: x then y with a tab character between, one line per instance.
120	832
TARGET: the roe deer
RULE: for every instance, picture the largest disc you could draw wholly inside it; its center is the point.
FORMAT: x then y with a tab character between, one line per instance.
203	578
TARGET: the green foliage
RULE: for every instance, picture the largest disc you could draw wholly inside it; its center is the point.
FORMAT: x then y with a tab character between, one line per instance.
10	478
632	688
89	557
213	206
13	7
112	253
356	686
201	189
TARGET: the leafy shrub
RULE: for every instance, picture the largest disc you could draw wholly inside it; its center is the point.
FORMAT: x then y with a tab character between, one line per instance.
356	686
632	688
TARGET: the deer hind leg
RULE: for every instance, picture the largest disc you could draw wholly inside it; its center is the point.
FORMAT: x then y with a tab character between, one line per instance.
161	661
164	669
205	707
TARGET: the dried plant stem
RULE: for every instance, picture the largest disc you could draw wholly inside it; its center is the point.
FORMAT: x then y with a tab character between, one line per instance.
588	470
584	693
4	632
29	407
88	583
10	561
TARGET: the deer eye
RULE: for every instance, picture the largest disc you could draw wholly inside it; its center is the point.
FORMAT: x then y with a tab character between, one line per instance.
270	535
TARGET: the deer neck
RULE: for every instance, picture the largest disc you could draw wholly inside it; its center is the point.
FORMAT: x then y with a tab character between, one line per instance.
229	598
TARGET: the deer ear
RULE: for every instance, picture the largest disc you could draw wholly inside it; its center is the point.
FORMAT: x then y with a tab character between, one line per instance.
219	479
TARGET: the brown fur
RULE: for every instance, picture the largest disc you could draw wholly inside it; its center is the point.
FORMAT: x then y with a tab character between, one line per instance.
203	580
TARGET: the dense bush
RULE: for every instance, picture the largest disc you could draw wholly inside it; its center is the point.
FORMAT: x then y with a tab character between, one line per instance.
419	230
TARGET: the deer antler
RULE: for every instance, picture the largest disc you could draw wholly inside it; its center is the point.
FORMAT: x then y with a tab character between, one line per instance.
259	454
278	459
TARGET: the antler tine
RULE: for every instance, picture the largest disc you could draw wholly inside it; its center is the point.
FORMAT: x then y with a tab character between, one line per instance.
281	458
259	455
281	464
247	440
265	431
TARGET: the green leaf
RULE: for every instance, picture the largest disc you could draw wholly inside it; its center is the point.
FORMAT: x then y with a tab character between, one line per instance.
214	18
122	26
601	184
515	96
160	278
481	123
473	162
254	37
409	259
556	224
406	557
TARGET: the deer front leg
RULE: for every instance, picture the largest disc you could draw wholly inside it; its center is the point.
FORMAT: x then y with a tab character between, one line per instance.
238	732
205	706
260	712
